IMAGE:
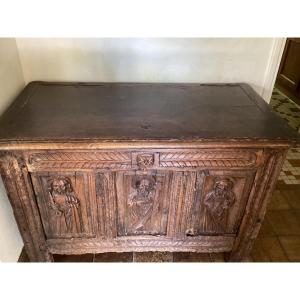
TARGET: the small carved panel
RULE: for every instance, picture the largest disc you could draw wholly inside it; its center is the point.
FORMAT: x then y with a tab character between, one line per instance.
64	205
145	161
218	205
142	203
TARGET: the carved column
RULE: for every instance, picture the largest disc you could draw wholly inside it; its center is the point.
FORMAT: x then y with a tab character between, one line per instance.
264	184
20	193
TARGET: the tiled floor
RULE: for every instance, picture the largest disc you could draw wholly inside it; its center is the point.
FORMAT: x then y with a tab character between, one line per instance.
279	237
286	108
290	112
290	173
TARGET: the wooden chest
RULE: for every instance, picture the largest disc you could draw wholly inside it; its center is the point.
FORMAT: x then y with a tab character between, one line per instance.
116	167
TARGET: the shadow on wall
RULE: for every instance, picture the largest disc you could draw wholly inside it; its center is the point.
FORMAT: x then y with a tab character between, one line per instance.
10	239
147	60
12	82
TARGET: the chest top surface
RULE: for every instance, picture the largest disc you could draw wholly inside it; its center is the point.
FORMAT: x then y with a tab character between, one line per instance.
46	111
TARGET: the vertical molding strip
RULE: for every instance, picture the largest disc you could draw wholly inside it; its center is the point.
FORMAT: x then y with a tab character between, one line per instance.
272	68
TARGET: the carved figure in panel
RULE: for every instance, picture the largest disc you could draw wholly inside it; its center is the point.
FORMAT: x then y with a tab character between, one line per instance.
216	205
141	202
65	205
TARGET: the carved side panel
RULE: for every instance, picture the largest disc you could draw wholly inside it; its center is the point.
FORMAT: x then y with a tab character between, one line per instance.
219	203
263	185
19	188
142	200
65	204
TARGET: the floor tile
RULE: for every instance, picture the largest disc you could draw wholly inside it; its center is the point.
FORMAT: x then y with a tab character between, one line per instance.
217	257
268	249
289	111
285	108
266	229
73	258
284	187
291	245
284	222
153	257
249	259
297	213
295	163
292	197
114	257
191	257
278	201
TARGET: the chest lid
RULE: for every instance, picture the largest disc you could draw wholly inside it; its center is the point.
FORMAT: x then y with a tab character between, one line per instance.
54	112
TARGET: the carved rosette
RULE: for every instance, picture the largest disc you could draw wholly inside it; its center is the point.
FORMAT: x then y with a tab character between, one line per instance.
65	204
145	161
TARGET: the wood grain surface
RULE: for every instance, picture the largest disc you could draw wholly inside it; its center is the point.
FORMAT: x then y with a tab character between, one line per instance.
117	167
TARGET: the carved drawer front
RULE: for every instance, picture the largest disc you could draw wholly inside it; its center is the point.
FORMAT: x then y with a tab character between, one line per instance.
142	202
64	203
218	202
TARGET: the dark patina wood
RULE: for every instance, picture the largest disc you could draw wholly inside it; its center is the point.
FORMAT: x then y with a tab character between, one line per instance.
116	167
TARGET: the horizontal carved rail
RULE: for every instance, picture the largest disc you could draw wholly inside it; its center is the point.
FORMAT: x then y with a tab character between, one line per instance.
138	244
207	159
83	160
126	160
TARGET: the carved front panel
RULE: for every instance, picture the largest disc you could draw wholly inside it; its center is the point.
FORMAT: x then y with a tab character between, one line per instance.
219	202
64	203
142	200
145	200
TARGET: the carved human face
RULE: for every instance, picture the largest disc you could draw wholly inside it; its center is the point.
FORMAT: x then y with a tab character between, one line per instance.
223	186
59	186
144	187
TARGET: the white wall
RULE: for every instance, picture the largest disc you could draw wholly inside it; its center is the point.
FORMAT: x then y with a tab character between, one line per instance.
12	82
150	60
